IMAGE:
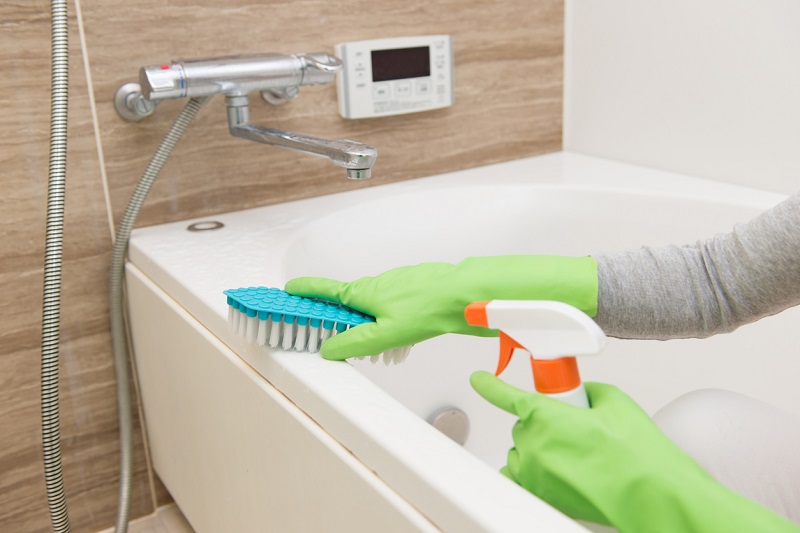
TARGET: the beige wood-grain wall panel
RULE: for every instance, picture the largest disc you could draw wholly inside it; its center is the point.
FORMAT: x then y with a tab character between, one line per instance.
508	94
88	400
508	69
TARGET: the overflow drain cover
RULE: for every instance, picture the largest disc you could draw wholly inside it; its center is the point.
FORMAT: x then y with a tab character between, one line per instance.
453	422
205	225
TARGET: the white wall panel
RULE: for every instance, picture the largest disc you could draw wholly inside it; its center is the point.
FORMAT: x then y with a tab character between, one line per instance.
705	87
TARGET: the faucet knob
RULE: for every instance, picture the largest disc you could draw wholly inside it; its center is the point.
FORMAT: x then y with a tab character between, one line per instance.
325	65
323	62
280	96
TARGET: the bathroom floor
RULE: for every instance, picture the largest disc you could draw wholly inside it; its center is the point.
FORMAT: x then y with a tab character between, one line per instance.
167	519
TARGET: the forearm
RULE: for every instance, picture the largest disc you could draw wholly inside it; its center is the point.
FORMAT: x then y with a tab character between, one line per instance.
698	505
713	286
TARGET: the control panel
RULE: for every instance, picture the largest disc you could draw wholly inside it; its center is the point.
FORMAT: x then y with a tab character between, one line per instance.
395	76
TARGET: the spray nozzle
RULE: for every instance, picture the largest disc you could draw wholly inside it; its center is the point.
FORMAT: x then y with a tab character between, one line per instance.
552	332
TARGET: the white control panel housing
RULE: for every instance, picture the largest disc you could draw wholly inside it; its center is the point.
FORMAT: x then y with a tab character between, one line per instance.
395	76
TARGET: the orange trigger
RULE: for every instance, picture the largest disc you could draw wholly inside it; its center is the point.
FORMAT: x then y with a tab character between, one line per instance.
507	347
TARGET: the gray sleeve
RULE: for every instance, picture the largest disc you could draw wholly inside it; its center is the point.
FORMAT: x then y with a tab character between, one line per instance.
713	286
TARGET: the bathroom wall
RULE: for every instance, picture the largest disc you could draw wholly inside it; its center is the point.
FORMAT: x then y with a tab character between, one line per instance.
88	407
708	88
508	58
508	95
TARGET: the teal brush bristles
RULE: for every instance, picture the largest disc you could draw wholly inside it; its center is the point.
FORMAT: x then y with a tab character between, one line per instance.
272	317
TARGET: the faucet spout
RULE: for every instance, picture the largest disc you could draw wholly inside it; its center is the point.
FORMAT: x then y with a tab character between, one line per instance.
357	158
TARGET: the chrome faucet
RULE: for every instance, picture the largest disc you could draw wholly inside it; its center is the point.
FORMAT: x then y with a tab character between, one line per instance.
277	77
355	157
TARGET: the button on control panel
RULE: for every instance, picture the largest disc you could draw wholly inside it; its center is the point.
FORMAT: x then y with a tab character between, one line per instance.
395	76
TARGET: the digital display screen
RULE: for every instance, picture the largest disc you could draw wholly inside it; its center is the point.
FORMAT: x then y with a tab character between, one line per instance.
401	63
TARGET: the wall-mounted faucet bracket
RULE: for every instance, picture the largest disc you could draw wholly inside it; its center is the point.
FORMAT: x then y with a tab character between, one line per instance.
131	103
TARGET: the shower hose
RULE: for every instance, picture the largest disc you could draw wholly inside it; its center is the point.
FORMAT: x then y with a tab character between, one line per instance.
51	306
54	233
116	304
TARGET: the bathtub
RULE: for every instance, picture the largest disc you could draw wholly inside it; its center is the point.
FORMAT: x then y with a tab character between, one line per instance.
247	438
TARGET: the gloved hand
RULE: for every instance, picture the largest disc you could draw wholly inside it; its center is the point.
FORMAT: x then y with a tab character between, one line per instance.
414	303
611	465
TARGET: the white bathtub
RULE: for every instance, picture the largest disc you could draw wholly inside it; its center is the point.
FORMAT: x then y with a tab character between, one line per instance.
247	438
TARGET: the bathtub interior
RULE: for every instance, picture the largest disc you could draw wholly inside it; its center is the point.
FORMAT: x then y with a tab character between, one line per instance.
453	222
559	204
450	223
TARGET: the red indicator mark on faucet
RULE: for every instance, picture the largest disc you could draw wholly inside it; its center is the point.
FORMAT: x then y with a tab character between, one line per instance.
164	67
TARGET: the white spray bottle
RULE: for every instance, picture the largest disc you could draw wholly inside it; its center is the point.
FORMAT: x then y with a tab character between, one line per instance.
553	333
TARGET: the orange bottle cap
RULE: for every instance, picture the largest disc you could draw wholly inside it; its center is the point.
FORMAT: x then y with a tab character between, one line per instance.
552	376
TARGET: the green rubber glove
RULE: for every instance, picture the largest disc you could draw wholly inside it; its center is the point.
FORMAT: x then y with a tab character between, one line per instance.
414	303
611	465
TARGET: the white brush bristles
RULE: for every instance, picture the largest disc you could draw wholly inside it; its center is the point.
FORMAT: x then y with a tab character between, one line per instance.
274	334
288	336
301	338
313	338
233	320
242	329
294	336
261	338
393	356
251	329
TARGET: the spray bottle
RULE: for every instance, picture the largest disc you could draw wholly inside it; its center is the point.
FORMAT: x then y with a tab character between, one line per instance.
554	331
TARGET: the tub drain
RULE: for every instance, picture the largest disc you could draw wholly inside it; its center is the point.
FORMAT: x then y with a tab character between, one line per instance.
453	422
206	225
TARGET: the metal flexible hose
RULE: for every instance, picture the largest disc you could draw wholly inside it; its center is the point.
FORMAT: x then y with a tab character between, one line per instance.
51	306
118	335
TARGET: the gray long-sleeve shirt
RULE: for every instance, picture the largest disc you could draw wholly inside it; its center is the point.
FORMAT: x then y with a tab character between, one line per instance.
713	286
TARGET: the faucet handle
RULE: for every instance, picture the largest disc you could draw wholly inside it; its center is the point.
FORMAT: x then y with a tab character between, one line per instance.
280	96
322	61
317	68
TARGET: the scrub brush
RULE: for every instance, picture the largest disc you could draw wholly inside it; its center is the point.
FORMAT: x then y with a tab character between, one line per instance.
271	317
